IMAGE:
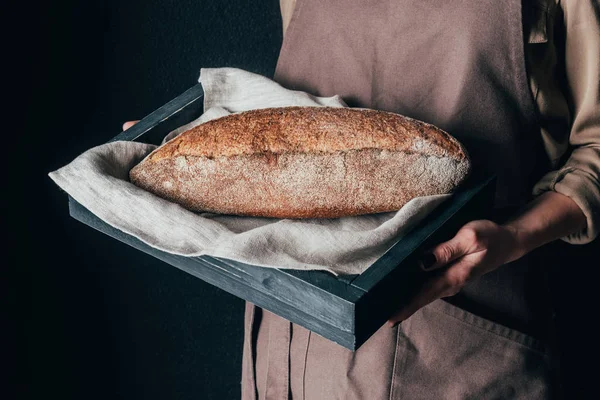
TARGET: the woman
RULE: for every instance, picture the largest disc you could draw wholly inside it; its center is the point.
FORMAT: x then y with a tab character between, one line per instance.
517	83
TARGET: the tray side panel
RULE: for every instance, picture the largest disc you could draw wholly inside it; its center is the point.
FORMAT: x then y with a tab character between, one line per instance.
312	307
156	125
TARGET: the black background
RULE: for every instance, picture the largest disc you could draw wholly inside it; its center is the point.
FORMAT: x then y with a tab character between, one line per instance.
89	317
96	318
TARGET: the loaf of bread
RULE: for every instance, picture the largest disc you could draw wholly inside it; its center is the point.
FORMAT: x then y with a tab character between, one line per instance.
304	162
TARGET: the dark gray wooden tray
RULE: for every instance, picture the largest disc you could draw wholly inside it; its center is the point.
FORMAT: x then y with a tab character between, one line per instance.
345	309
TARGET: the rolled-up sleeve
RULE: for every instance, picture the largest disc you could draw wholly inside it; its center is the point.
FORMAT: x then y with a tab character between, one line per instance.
579	177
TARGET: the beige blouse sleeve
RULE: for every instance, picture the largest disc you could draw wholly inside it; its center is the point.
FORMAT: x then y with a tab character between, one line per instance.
579	176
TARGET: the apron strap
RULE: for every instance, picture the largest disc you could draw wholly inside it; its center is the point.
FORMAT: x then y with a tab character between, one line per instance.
278	369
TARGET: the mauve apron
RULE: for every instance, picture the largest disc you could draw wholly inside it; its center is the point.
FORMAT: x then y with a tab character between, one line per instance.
461	66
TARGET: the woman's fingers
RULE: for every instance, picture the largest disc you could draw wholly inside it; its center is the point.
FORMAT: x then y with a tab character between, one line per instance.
464	242
477	248
447	283
129	124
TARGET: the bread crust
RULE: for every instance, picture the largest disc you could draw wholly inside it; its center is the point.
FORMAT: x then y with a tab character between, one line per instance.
304	162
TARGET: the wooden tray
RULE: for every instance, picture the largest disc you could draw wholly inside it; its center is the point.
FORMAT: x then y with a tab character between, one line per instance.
345	309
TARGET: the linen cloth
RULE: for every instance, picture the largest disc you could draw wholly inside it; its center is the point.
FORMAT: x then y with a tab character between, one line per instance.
98	179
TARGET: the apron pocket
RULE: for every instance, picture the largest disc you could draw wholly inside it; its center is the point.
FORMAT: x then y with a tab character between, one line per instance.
445	352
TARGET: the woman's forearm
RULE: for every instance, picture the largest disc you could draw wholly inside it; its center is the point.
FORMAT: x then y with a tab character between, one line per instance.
549	217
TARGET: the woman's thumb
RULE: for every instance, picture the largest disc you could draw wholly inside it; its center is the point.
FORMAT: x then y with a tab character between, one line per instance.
443	254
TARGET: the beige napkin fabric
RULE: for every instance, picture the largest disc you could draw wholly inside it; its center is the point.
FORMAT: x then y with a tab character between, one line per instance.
98	179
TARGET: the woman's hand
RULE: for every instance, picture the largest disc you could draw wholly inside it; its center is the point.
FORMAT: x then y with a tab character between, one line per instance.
477	248
482	246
